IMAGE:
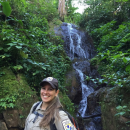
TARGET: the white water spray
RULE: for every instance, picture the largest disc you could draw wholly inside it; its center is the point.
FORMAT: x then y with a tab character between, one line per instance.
75	48
85	93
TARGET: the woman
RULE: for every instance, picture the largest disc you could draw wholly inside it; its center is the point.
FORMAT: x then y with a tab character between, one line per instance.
48	114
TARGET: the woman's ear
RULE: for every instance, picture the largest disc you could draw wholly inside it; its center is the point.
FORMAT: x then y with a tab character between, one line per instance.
57	92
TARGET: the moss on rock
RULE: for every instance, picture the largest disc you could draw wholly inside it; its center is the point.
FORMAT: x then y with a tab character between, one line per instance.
16	94
109	102
55	23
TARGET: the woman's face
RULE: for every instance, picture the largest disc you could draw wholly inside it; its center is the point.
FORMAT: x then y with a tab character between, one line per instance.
48	93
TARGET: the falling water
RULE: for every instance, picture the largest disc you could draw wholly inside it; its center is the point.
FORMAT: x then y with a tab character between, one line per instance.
85	93
76	48
74	45
71	41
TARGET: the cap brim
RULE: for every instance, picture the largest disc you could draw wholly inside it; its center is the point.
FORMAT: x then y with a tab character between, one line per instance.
41	84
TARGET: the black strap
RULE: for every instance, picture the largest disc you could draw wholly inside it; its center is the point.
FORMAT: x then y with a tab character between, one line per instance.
36	113
52	125
34	108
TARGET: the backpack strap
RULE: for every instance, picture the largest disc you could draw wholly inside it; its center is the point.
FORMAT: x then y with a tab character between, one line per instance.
34	108
73	121
52	125
36	113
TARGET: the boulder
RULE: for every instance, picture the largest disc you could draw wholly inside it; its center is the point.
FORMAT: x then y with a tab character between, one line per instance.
14	129
3	126
15	85
73	86
1	116
11	117
106	98
93	101
109	101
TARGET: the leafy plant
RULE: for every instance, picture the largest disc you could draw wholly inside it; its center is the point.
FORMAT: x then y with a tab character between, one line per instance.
27	47
6	7
122	110
7	102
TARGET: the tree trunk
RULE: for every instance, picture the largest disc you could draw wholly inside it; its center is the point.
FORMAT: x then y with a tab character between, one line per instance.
61	9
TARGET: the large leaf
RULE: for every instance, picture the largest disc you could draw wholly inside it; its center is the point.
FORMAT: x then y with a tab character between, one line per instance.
6	8
23	54
128	68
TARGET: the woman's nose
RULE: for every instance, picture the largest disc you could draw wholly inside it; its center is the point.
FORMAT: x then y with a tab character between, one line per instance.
45	91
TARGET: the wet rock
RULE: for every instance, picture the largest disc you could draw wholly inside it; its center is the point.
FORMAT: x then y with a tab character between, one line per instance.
124	119
11	117
1	116
98	122
90	125
87	70
58	31
84	66
73	86
108	101
3	126
14	129
93	101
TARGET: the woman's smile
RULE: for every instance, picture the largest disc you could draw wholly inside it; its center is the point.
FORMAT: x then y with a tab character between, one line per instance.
48	93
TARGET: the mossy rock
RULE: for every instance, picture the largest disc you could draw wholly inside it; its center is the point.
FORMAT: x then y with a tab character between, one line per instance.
16	93
55	23
8	83
109	102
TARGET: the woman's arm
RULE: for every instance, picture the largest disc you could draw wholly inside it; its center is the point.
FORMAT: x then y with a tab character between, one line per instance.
64	122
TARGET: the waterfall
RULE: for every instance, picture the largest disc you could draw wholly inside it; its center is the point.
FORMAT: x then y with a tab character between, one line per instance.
85	93
80	51
75	48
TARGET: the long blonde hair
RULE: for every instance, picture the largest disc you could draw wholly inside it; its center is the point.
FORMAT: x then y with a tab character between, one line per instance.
52	112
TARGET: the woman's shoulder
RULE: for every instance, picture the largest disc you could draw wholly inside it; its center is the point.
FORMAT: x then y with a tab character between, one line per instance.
34	105
62	113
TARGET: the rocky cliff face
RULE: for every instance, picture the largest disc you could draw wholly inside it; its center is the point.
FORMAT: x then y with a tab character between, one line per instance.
103	100
15	85
107	98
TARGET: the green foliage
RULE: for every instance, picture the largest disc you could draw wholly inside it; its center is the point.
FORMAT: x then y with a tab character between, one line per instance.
68	106
7	102
15	100
113	53
6	7
101	12
27	47
121	110
41	8
36	48
72	16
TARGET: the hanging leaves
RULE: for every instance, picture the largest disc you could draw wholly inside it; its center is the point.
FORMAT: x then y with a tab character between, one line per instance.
6	8
128	68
